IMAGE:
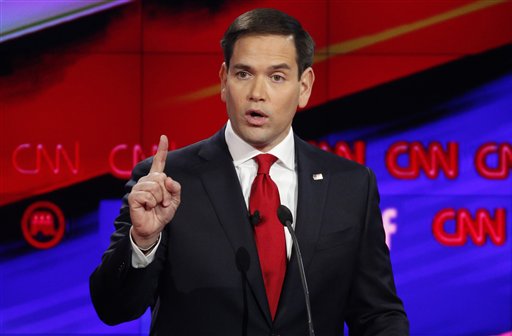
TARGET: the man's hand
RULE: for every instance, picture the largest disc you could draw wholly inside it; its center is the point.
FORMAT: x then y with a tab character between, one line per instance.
153	200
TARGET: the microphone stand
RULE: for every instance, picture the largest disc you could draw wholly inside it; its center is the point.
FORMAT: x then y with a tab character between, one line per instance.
286	218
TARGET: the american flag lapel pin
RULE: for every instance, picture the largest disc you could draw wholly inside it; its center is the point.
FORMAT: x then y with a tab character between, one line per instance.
318	177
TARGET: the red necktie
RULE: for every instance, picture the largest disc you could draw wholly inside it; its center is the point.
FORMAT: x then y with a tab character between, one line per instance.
269	232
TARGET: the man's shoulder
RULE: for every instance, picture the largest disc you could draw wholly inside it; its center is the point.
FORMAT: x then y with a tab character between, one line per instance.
182	156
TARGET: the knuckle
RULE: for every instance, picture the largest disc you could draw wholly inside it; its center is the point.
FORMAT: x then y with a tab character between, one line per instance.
142	179
158	176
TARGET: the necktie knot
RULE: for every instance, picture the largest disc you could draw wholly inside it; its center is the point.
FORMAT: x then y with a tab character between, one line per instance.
265	161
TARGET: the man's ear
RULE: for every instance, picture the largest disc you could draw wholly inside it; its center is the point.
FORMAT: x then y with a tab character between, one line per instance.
306	86
223	75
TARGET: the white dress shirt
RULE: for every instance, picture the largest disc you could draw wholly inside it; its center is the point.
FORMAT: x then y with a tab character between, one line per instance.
283	172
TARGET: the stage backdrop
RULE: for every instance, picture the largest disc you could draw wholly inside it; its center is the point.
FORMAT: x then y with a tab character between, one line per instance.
420	91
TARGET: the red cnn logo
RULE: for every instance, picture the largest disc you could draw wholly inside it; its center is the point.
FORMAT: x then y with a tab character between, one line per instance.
478	228
25	153
431	160
503	152
43	225
341	148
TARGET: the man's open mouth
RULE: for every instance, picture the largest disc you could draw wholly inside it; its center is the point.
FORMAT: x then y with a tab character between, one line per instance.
256	114
256	117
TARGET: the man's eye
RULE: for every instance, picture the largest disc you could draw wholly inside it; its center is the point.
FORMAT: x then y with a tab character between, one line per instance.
277	78
242	74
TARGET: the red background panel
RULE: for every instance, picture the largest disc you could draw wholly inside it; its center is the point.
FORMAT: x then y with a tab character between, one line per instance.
94	101
200	30
167	77
143	70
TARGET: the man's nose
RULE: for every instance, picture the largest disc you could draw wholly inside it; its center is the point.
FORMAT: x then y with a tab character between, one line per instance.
257	90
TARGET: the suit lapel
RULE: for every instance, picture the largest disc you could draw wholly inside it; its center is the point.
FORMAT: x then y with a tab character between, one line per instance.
313	180
312	191
223	188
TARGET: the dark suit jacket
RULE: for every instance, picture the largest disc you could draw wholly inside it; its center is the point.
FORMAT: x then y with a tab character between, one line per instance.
206	278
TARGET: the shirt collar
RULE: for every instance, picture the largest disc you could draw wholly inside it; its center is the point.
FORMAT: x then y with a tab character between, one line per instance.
241	151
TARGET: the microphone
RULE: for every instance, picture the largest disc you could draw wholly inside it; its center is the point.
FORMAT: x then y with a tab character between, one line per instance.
285	217
255	218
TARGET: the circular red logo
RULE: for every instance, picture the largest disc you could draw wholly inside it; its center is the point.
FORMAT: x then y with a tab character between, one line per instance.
43	225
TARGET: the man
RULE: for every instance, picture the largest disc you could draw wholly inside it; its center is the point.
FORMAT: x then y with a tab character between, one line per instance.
208	256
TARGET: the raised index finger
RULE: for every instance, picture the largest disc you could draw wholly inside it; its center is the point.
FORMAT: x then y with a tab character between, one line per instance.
158	164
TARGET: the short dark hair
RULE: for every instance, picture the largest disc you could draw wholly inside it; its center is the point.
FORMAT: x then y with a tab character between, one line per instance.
269	21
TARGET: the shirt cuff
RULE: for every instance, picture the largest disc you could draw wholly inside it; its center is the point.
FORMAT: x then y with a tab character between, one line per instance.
139	259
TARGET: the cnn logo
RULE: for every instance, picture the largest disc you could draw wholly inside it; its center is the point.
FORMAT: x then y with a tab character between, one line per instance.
478	228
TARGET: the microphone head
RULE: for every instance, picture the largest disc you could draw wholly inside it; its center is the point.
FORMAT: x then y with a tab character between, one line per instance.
284	214
255	218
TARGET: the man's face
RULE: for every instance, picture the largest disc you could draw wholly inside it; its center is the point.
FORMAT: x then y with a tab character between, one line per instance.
262	89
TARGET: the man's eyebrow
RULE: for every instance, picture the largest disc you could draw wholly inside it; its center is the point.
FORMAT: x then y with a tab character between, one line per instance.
241	66
246	67
280	66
